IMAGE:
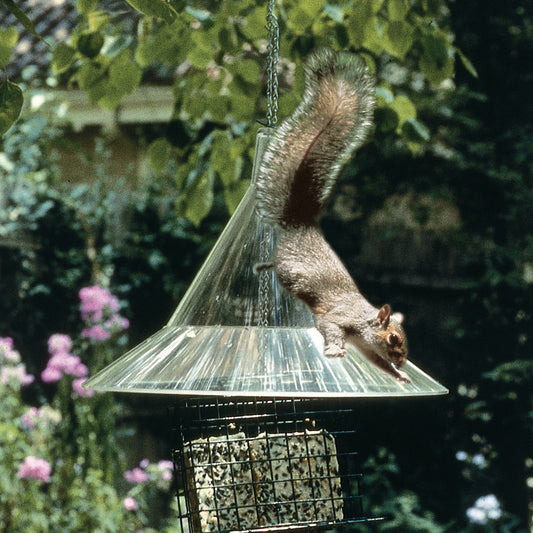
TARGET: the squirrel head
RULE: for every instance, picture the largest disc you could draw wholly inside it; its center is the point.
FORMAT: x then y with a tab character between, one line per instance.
391	336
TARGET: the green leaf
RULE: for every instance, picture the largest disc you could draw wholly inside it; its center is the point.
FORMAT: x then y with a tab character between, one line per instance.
302	15
198	197
357	22
158	155
155	8
436	72
398	9
98	20
8	39
436	49
11	100
404	108
437	61
89	74
62	58
467	63
160	46
92	79
22	18
375	34
376	5
415	131
124	74
86	6
399	38
254	27
90	44
247	69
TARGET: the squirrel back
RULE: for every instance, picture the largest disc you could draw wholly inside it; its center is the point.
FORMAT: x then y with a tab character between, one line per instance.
303	160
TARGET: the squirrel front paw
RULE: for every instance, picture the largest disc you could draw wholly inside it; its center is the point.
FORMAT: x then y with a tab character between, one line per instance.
403	377
332	350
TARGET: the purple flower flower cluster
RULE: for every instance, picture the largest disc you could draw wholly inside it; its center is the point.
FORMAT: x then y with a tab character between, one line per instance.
44	417
35	468
137	475
130	503
8	352
12	371
160	472
99	310
61	361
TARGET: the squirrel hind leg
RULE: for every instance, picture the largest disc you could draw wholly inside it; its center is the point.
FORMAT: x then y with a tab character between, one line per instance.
260	267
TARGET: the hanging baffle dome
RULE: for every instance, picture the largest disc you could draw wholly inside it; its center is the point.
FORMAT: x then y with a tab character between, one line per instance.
238	333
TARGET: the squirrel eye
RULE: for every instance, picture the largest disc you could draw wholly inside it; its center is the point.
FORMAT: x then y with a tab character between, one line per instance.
393	339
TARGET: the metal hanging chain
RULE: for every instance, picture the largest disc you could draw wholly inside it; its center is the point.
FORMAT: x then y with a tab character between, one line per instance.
272	68
265	277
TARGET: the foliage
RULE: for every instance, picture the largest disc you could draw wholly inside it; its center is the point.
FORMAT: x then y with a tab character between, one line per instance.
54	239
218	88
59	468
472	139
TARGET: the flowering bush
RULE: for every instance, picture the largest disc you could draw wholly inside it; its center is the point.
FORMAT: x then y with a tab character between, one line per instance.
60	470
486	509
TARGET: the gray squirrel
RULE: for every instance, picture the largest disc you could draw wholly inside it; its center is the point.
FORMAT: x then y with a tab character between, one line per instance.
296	177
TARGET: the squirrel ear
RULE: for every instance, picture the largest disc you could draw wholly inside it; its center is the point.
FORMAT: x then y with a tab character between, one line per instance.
384	316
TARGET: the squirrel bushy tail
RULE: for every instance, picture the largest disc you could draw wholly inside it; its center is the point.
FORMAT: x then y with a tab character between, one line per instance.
307	151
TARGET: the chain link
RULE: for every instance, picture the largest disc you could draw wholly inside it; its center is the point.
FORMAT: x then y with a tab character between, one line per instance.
272	68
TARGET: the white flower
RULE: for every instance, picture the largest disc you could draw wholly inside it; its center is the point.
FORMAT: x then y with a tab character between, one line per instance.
461	455
479	460
476	515
488	502
494	514
486	508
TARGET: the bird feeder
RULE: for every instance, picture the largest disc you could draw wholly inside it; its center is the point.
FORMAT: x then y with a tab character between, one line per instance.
263	420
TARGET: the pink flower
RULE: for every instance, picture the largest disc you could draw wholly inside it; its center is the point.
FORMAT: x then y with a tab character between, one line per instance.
64	361
130	503
96	333
29	419
59	343
51	375
77	387
137	475
166	465
7	351
6	343
144	463
45	417
167	469
35	468
15	375
94	300
117	323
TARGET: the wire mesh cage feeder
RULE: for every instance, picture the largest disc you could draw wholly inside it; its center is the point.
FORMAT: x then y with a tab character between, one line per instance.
264	421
